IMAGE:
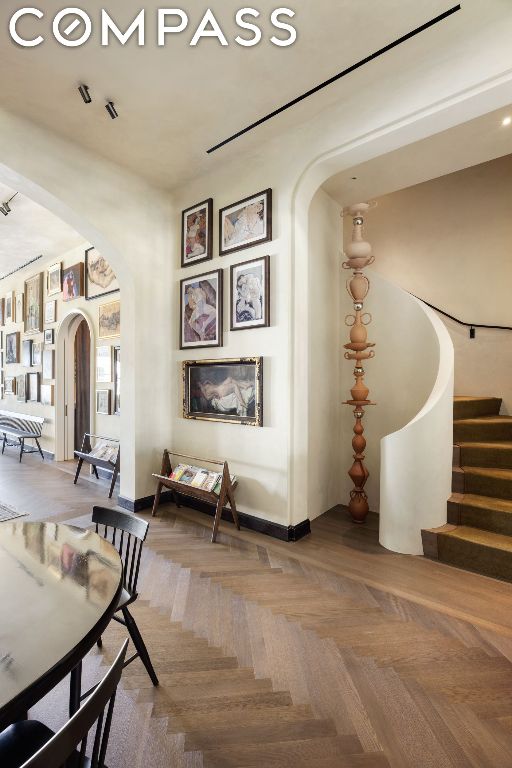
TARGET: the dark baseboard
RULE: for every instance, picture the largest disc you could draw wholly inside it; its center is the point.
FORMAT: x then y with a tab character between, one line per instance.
48	455
145	503
105	474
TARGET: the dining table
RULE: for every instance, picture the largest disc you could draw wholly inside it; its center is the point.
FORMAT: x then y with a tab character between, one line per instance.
59	588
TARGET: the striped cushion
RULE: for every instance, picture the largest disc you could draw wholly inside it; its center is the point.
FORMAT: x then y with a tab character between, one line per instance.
19	424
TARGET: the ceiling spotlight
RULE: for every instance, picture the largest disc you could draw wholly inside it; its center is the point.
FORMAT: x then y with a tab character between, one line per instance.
111	109
6	207
506	120
4	210
84	93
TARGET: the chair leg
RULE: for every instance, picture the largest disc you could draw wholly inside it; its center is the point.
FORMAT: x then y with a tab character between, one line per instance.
39	448
75	689
139	644
3	444
22	446
113	483
99	642
79	467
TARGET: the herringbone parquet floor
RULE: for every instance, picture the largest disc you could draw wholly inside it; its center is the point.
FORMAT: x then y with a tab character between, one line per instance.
270	656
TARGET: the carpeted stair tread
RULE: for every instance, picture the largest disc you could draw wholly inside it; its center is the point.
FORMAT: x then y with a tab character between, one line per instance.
482	429
488	481
480	537
486	454
476	550
465	406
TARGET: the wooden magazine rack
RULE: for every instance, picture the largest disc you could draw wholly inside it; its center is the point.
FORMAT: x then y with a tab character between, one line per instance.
226	493
83	455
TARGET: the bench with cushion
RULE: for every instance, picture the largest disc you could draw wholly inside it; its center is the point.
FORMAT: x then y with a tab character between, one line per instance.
18	427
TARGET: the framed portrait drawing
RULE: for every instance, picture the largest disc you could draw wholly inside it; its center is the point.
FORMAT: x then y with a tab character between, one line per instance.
2	312
10	385
246	223
201	311
73	282
110	320
37	353
117	381
103	365
9	307
103	398
26	353
21	388
32	385
100	278
12	348
250	294
224	390
54	279
47	394
50	311
197	233
49	336
48	364
19	306
34	304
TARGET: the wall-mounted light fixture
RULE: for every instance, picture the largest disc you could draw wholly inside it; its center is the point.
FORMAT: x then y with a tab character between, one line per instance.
83	90
111	109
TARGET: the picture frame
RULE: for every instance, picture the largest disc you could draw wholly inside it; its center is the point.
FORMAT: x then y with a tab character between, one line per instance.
49	336
48	364
9	307
54	279
100	278
250	294
33	388
103	401
246	223
47	394
12	348
50	311
2	312
109	320
117	381
201	310
37	353
34	304
21	388
10	385
229	391
19	308
26	353
103	365
197	233
73	282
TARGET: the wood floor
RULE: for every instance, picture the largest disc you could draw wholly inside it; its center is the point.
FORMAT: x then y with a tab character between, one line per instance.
329	652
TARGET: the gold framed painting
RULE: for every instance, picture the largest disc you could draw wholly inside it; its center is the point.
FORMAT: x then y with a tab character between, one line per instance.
110	320
34	304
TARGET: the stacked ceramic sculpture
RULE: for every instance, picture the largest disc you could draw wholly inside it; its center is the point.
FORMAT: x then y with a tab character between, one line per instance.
359	255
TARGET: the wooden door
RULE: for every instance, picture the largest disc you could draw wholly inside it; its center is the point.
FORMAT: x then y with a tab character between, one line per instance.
82	383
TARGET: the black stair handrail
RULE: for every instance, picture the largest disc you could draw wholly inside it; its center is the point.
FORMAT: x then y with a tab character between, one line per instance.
472	326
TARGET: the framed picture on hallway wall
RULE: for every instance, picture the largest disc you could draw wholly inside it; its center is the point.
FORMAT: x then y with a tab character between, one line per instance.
54	279
100	278
49	336
103	400
37	353
9	307
103	365
9	385
201	311
250	294
32	385
2	312
47	394
117	381
48	364
34	304
12	348
50	311
20	315
21	388
246	223
110	320
73	282
197	233
26	353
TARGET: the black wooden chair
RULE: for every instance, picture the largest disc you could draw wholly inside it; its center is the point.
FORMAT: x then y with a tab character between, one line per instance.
30	744
127	533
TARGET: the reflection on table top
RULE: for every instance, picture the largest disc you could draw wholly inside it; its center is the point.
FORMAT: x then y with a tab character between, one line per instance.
56	584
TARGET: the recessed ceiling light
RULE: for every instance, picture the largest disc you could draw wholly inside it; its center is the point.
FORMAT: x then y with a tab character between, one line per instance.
506	120
354	178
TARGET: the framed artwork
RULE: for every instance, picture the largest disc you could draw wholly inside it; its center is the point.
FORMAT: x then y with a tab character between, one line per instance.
48	364
49	336
73	282
34	304
26	353
197	233
110	320
2	312
100	278
20	316
50	311
10	385
224	390
103	397
54	279
9	307
47	394
37	353
33	383
250	294
21	388
103	365
117	381
246	223
12	348
201	311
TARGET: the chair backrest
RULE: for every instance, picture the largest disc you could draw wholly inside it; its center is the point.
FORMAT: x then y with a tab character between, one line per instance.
127	533
67	747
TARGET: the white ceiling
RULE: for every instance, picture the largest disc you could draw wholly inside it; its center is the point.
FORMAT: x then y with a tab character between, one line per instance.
176	102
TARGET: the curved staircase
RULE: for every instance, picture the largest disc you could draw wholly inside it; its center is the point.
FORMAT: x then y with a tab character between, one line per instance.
478	536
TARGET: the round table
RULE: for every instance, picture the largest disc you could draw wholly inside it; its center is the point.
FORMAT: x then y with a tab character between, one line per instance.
59	587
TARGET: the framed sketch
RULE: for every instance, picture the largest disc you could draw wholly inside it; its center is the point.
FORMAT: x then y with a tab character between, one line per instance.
21	388
2	312
103	397
47	394
33	384
48	364
9	307
10	385
12	348
37	353
49	336
73	282
50	311
34	304
26	353
103	365
54	279
117	381
197	233
246	223
201	311
110	320
224	390
19	307
250	294
100	278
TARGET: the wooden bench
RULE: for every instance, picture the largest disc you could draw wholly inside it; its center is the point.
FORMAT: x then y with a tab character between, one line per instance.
20	427
85	454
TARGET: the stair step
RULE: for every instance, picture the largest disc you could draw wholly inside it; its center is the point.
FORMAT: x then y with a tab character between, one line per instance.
484	512
210	739
486	428
476	550
465	407
487	481
486	454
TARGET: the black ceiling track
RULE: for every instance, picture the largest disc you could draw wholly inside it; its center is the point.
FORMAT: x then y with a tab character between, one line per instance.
22	266
344	73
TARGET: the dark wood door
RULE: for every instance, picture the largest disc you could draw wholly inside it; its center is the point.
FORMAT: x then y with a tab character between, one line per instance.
82	383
